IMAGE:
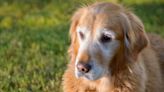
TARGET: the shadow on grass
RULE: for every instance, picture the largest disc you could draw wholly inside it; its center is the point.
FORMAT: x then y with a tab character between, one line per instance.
152	16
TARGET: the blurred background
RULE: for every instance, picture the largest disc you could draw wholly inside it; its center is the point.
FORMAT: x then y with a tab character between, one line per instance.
34	39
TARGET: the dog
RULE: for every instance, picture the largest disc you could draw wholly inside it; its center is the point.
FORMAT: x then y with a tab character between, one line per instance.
110	52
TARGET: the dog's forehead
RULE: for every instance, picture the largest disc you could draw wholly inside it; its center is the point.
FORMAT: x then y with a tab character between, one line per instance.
87	19
93	21
96	21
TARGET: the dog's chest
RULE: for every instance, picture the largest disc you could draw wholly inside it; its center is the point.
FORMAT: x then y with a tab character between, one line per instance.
102	85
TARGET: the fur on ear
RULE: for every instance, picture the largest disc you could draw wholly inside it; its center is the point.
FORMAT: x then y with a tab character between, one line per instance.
135	39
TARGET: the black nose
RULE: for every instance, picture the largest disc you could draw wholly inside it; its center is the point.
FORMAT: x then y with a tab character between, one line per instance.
84	68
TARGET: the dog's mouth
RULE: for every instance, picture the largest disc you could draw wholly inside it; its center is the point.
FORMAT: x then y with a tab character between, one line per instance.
91	75
87	76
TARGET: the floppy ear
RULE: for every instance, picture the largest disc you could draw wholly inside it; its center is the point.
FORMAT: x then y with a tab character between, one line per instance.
135	38
73	49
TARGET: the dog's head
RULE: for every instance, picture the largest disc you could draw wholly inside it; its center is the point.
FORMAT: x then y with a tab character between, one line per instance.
104	36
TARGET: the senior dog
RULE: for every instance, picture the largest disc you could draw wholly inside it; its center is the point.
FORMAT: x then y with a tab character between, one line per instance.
110	52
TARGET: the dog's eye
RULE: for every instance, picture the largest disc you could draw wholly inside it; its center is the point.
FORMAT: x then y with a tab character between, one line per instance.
81	35
105	38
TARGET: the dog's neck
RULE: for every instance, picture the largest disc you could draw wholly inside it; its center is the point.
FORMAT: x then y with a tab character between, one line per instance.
101	85
105	84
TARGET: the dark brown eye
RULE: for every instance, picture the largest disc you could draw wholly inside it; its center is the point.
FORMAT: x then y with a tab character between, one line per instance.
81	35
105	38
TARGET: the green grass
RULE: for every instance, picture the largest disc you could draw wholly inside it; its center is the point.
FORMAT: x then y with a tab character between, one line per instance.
34	40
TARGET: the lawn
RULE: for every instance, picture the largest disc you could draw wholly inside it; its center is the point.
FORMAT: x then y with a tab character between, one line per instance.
34	39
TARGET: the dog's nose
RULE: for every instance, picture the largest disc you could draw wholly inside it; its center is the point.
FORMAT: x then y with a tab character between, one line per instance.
84	68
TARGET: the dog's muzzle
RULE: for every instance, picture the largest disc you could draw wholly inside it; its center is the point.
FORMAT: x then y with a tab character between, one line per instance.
83	68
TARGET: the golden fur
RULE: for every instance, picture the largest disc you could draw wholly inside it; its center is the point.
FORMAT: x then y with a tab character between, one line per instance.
135	67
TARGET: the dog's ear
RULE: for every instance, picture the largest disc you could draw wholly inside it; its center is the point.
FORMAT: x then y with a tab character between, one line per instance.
135	39
73	49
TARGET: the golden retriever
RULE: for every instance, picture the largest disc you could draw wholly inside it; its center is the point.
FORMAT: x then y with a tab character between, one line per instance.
110	52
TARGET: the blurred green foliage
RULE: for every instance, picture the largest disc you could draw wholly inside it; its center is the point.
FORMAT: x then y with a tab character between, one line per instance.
34	39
